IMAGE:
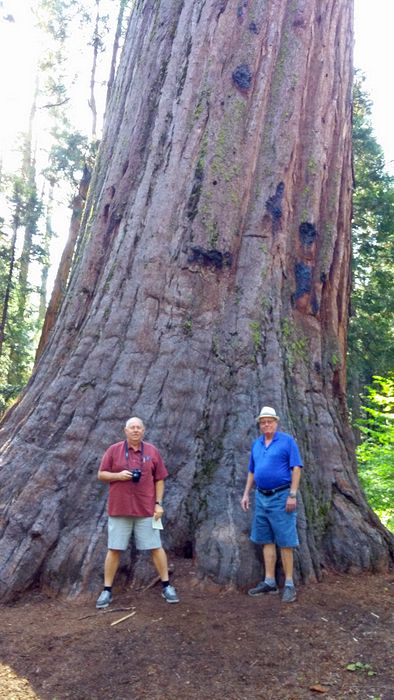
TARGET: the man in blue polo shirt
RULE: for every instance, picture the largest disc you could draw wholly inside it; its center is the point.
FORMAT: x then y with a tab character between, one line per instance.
275	468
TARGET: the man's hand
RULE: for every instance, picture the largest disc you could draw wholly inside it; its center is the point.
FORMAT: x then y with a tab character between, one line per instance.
159	510
245	502
291	504
125	475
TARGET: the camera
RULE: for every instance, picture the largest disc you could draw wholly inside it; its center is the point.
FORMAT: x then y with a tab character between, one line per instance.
136	475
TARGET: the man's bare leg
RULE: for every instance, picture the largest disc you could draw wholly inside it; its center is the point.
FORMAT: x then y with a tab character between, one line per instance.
111	566
159	558
289	592
268	585
269	556
286	554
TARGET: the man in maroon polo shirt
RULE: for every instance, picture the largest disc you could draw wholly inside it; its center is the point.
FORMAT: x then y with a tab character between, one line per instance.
135	472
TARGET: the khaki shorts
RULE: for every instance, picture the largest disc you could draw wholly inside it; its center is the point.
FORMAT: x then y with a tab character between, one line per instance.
121	527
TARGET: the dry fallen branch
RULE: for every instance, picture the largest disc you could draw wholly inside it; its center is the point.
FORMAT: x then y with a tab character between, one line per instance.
107	610
126	617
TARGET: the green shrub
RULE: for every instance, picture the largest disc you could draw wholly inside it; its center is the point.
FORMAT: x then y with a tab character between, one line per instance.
375	454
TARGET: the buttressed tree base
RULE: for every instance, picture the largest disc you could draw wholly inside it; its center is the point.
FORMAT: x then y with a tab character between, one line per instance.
212	277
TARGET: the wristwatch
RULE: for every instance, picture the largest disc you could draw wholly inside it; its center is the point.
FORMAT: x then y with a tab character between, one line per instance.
293	494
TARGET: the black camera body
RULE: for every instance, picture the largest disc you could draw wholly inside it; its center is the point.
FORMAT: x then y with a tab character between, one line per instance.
136	475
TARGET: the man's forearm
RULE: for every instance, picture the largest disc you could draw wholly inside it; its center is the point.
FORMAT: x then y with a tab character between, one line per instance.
159	487
249	483
106	476
295	479
110	476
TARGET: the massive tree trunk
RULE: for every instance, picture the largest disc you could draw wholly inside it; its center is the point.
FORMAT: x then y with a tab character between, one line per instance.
213	278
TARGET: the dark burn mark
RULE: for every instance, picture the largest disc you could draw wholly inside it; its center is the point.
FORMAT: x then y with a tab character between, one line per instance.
185	69
210	258
303	276
314	305
241	9
242	77
308	233
305	298
192	205
274	204
299	23
188	550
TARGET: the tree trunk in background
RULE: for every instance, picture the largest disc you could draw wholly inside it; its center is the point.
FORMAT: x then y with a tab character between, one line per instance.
63	273
213	278
32	207
5	301
96	42
45	260
123	5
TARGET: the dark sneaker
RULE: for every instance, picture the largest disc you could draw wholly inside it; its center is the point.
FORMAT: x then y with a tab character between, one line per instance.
104	599
170	594
289	594
263	587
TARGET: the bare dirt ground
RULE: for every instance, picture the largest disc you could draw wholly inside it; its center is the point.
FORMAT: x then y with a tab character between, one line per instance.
215	644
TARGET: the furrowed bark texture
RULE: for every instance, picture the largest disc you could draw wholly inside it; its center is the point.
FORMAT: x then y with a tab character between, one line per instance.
212	278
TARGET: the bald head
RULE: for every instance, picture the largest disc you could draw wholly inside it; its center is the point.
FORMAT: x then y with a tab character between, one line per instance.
130	421
134	431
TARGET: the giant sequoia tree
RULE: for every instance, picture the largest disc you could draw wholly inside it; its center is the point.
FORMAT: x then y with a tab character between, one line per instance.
212	276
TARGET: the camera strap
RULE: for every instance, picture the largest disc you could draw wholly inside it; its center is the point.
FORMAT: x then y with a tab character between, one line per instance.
126	452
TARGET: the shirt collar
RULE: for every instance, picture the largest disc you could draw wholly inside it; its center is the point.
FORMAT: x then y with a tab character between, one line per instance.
274	437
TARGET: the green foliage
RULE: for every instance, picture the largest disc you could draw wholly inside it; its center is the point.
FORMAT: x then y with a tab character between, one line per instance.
54	164
20	245
361	666
255	330
70	151
371	332
5	257
18	355
376	452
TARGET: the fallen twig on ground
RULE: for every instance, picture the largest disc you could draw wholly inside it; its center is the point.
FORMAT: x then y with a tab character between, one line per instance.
126	617
107	610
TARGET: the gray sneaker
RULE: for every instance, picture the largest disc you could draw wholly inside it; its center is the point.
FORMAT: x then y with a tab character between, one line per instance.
263	587
104	599
170	594
289	594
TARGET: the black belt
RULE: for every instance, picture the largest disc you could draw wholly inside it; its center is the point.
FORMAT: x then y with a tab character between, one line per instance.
270	492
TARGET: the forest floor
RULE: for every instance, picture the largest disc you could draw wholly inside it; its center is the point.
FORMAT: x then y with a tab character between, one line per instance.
214	644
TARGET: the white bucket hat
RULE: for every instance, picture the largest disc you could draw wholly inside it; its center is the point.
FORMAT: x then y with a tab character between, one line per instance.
267	412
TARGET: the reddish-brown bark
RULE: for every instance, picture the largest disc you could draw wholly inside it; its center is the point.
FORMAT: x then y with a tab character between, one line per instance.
213	278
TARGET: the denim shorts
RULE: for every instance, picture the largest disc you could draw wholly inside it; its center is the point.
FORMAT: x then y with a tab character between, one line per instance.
121	527
271	523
